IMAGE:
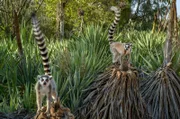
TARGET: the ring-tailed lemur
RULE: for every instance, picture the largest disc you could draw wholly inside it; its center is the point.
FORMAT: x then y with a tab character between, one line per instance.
45	85
117	49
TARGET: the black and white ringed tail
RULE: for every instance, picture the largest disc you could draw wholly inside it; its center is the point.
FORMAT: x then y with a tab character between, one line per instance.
114	24
41	44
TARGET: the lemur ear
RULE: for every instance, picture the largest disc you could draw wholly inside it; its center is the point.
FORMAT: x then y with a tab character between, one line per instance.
50	77
38	77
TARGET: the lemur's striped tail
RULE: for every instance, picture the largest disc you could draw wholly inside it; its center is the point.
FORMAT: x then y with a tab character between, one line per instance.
41	44
114	24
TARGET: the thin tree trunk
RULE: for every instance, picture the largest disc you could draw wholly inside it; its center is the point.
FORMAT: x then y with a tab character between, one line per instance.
176	26
81	25
170	34
163	24
60	20
154	23
17	33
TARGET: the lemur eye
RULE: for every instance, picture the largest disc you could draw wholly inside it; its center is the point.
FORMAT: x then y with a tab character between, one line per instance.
47	80
42	79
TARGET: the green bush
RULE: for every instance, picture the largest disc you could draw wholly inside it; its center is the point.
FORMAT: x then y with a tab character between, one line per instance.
75	63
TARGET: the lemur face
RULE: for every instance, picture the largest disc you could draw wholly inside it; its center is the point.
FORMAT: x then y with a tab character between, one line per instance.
44	80
128	46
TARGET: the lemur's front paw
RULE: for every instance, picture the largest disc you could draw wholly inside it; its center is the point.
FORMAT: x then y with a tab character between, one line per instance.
38	111
47	113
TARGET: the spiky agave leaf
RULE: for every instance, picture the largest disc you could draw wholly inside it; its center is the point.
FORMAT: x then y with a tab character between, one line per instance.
162	94
114	95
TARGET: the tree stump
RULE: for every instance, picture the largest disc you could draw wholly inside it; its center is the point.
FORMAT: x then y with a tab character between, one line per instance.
57	111
114	95
162	94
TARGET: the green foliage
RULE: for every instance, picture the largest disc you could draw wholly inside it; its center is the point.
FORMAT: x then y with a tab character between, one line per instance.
75	62
18	76
79	62
176	60
95	11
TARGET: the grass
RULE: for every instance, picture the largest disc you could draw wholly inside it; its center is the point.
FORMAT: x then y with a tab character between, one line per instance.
75	63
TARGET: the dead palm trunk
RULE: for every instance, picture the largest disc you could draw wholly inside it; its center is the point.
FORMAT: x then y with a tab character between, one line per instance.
176	32
168	42
161	90
114	94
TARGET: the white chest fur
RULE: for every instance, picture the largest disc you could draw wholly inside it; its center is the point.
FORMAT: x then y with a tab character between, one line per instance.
45	90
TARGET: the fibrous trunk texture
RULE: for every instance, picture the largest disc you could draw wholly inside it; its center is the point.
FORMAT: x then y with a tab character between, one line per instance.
162	94
114	95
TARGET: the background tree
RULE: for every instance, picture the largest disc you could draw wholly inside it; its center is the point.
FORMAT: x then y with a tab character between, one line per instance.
160	90
95	11
13	12
60	18
145	10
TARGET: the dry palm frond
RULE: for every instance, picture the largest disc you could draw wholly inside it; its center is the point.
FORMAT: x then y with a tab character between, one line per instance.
114	95
162	94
